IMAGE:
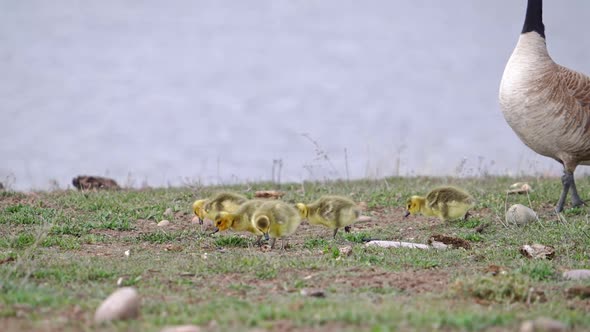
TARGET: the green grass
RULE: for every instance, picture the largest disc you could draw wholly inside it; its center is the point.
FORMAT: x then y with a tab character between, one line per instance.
64	251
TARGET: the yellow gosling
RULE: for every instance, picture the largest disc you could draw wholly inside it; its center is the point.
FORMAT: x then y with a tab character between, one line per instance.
223	202
446	203
240	220
276	220
333	212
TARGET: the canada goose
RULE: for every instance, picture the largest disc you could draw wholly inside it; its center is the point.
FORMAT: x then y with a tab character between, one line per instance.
446	203
240	220
547	105
330	211
276	220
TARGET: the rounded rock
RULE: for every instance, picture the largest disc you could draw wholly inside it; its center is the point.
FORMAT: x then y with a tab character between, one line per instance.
520	215
576	274
543	324
196	221
164	223
182	328
121	304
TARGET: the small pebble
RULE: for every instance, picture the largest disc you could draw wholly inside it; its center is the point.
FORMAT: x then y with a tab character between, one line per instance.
164	223
121	304
195	221
207	225
168	212
543	324
576	274
182	328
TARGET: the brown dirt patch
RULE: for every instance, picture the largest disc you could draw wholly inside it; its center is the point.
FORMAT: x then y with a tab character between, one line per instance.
454	242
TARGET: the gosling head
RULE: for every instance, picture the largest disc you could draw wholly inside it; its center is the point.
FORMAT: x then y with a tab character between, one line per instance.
223	221
198	209
303	211
262	224
414	205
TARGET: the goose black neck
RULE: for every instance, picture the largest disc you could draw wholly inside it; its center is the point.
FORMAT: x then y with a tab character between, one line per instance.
534	18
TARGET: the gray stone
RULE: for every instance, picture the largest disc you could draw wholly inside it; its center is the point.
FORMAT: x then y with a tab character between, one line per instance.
121	304
520	215
164	223
577	274
543	324
182	328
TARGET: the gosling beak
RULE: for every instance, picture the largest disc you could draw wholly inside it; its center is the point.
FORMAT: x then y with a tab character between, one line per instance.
406	214
215	230
266	237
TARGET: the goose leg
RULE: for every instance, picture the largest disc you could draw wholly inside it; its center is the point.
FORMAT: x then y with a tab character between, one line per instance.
576	200
335	231
566	180
467	215
272	243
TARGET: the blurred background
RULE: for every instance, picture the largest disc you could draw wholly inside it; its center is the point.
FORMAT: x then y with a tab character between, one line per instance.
219	91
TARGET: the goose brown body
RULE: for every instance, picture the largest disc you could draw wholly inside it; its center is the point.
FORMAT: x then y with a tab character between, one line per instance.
547	105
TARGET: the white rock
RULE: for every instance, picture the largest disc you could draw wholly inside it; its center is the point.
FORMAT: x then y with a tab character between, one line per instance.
438	245
543	324
364	219
164	223
121	304
577	274
182	328
520	215
396	244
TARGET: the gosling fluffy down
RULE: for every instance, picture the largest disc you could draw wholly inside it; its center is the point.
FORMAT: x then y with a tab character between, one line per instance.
276	220
240	220
446	203
198	209
330	211
223	201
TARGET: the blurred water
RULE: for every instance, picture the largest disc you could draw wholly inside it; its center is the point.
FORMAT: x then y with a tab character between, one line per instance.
214	91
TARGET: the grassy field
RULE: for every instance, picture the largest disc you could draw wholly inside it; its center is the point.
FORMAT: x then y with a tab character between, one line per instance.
62	253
